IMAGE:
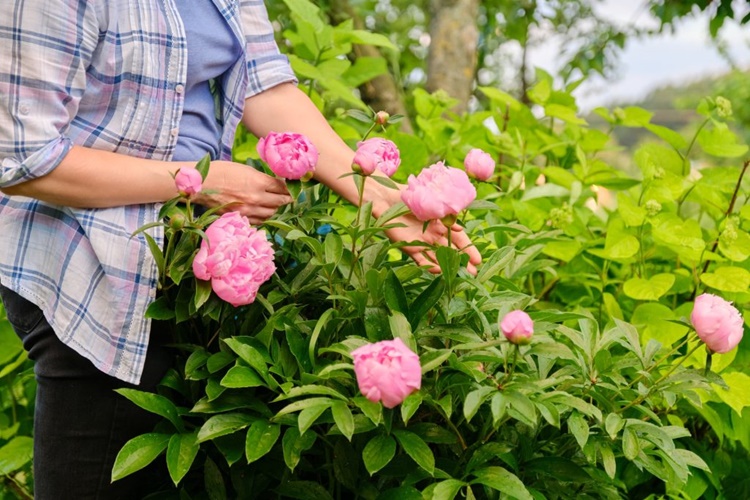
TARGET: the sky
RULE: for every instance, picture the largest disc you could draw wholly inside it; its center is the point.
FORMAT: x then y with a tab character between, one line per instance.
654	62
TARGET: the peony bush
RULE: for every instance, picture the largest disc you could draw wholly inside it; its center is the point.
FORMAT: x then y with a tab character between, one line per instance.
354	372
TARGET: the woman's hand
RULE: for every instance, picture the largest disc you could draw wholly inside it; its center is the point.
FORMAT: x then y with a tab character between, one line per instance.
435	234
243	189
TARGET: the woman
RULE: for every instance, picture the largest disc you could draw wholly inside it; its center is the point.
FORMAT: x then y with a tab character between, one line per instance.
101	102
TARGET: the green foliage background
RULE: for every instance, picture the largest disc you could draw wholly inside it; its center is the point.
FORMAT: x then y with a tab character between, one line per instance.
609	401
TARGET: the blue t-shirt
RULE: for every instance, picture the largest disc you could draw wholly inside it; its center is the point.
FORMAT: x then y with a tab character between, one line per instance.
212	49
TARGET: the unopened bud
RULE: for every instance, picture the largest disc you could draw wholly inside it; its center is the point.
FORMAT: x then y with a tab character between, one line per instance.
381	118
723	107
177	220
652	207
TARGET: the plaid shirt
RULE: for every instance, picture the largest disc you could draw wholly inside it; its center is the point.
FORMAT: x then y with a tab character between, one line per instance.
108	75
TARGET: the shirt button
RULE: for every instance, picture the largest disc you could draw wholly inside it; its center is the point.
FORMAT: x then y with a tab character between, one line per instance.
24	109
179	88
174	132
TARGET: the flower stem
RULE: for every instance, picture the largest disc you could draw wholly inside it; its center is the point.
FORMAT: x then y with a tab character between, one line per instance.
512	365
709	359
661	379
658	363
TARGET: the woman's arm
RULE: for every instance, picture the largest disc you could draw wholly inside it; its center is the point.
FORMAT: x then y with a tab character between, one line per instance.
90	178
285	108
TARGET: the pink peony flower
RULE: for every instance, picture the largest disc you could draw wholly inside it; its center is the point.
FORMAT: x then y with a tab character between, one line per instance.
717	322
289	155
377	153
438	191
517	327
387	371
188	181
479	164
236	258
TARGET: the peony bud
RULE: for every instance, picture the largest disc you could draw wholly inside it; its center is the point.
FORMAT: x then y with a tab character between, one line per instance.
387	371
517	327
188	181
479	165
717	322
381	118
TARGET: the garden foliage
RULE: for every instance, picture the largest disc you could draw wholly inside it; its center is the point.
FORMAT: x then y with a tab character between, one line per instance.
610	398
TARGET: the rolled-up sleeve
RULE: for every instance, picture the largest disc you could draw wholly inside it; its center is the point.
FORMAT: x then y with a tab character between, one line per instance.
45	46
267	66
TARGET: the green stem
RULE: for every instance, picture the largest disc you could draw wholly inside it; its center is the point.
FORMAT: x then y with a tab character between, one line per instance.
658	363
661	379
729	210
512	368
690	147
369	131
709	359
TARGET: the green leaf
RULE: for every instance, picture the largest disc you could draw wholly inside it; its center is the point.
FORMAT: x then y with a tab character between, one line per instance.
446	490
432	359
394	294
160	309
203	165
202	292
630	446
449	260
155	404
373	411
608	460
334	249
181	452
302	490
378	452
410	405
503	481
416	449
720	141
249	355
15	454
425	301
213	481
261	436
309	415
157	252
240	377
475	399
648	289
579	428
344	419
400	329
668	135
737	396
306	10
304	404
365	38
728	279
138	453
613	424
293	444
558	467
564	113
223	424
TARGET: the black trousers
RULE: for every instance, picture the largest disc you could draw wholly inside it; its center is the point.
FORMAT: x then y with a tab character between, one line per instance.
80	423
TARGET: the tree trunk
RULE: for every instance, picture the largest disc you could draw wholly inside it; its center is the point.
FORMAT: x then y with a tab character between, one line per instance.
452	62
381	93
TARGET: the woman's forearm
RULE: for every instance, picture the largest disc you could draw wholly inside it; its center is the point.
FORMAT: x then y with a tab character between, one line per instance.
285	108
90	178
